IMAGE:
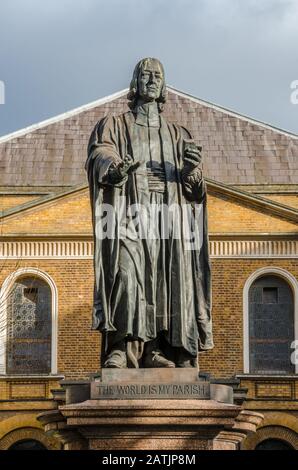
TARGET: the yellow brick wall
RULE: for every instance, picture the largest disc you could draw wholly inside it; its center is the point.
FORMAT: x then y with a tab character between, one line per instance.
25	390
18	388
22	425
229	277
8	202
275	387
79	347
225	216
72	214
280	390
3	390
288	200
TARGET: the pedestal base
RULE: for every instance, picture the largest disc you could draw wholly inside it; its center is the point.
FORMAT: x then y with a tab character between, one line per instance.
131	423
159	424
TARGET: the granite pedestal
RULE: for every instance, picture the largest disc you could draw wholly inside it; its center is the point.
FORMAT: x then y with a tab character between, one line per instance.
149	409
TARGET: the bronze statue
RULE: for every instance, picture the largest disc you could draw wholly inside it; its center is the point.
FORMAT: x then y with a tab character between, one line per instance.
151	293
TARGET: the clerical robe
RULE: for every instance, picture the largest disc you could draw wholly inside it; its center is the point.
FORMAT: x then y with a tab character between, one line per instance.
146	286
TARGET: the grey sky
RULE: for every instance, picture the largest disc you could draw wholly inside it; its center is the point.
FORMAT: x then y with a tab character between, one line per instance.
56	55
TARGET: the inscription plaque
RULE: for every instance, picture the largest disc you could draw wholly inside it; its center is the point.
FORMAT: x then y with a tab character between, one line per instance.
198	390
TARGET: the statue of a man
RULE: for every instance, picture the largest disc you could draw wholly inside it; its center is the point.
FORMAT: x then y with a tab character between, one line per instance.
152	293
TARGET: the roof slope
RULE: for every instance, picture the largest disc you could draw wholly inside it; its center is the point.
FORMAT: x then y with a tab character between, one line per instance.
237	149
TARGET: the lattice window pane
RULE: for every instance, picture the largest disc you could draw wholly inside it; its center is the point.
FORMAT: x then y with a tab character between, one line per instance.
271	326
270	295
29	328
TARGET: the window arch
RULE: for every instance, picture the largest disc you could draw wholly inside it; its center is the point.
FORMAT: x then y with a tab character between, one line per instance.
27	444
273	444
28	318
270	321
29	327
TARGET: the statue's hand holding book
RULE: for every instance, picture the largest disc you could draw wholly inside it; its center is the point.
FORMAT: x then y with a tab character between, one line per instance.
192	158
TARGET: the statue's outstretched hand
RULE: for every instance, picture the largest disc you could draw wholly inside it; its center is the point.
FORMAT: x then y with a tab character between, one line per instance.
120	172
127	165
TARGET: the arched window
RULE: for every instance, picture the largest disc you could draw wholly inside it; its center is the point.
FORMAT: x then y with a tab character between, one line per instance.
28	323
27	444
274	444
270	325
29	327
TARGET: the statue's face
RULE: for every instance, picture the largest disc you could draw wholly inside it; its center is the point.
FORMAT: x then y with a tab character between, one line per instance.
150	81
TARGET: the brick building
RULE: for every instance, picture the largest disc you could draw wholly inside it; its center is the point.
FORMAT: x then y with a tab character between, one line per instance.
46	274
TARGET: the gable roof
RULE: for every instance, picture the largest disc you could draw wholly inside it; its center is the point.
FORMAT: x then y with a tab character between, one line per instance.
63	116
236	149
230	112
123	93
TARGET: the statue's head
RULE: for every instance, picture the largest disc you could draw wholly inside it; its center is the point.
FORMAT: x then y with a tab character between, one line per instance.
148	83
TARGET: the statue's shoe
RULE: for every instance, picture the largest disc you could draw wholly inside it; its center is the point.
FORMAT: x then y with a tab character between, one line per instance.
185	364
157	359
116	360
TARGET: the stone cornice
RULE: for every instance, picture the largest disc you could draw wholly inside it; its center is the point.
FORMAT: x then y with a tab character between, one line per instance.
83	249
213	236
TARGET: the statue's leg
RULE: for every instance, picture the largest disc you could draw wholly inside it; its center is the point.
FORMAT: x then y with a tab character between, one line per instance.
154	356
134	352
179	355
121	350
185	359
116	357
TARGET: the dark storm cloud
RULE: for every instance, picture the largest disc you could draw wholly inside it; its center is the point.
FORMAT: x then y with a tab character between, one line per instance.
59	54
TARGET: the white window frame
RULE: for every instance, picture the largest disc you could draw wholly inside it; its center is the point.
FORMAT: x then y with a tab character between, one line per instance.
4	293
267	271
